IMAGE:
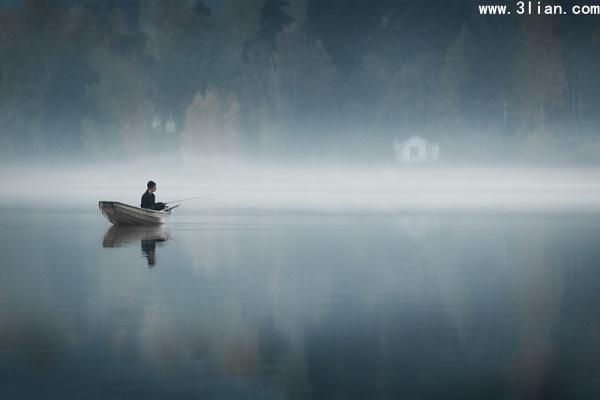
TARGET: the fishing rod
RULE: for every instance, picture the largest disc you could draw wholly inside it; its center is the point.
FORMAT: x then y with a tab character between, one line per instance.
189	198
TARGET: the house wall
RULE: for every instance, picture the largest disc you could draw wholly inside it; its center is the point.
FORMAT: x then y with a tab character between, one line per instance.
416	150
435	152
413	150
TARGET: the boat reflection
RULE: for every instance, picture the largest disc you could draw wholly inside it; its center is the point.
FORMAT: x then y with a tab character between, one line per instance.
149	236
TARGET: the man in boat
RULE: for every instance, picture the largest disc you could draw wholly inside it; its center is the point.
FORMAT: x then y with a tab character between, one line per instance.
148	198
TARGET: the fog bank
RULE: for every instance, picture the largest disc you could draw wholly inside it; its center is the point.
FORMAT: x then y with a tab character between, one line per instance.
329	189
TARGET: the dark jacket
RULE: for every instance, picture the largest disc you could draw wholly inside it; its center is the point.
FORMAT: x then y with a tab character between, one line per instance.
147	200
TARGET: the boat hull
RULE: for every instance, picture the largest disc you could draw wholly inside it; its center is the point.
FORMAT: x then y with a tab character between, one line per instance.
124	214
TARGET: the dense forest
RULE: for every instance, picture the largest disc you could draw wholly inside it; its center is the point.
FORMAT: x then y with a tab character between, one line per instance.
294	79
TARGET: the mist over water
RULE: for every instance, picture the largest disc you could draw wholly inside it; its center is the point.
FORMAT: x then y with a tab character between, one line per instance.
311	187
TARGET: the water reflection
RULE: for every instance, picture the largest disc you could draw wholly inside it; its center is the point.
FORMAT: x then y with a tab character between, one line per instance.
340	307
149	236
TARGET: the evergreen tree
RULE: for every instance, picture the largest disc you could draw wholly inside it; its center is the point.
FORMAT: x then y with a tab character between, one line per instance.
273	19
540	74
453	81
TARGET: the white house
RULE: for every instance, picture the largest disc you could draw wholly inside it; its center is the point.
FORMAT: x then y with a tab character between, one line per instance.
169	127
416	149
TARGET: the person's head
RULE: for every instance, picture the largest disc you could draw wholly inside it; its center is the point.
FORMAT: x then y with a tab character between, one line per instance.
151	186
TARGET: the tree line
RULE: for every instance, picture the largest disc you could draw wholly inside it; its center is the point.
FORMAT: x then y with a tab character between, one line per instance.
306	79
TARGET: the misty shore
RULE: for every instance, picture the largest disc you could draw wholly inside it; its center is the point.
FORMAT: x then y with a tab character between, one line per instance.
332	188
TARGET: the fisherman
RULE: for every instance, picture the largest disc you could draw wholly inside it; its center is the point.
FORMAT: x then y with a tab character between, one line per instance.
148	198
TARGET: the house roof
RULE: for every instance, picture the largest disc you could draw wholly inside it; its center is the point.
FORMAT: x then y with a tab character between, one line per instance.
414	137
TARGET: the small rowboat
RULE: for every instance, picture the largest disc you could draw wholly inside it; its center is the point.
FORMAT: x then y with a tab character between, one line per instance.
124	214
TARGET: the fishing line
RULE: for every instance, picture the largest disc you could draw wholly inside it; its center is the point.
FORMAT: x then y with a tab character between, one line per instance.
189	198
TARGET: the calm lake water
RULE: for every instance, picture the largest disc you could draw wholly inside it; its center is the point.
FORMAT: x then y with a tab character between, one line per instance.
244	305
